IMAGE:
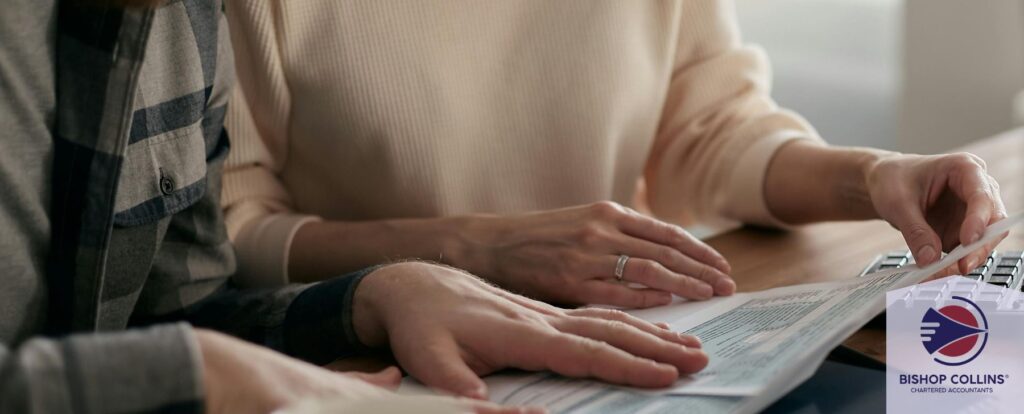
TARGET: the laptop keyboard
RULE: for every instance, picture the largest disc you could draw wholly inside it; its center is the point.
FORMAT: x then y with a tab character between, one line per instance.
1001	268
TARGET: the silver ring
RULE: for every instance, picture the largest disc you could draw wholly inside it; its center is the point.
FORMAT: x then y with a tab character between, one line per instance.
620	266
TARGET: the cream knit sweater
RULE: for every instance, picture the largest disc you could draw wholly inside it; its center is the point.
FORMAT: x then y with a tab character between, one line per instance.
374	109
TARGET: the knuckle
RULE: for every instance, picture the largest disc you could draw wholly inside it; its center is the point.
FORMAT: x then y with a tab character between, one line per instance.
590	348
613	325
606	209
665	255
614	314
677	235
977	160
705	273
917	233
645	269
994	184
965	160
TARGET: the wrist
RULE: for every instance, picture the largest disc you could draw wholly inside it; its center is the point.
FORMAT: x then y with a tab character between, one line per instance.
469	242
868	165
853	192
371	303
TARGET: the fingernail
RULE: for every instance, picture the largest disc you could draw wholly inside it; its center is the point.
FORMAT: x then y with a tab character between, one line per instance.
688	337
705	291
724	266
725	286
926	254
478	392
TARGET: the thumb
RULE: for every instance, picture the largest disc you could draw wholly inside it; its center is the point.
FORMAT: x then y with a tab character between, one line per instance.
922	240
440	365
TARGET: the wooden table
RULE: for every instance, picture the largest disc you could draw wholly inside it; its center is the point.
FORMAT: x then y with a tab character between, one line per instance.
763	259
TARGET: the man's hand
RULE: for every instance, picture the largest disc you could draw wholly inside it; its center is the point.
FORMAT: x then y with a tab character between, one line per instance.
239	377
446	328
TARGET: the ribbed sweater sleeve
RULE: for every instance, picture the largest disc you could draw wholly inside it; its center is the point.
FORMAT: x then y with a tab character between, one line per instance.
719	127
259	213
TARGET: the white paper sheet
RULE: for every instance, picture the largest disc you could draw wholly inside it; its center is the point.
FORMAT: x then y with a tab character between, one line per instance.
761	345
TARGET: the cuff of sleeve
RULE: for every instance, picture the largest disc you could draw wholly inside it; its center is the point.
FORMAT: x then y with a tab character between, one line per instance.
263	246
318	326
744	198
152	370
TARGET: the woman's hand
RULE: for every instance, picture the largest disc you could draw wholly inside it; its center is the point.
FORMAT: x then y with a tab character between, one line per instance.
937	202
569	256
447	328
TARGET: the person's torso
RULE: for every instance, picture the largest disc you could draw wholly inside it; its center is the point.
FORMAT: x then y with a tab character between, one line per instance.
28	107
141	96
404	109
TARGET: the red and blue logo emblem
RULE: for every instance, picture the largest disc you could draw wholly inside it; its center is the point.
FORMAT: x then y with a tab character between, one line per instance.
954	334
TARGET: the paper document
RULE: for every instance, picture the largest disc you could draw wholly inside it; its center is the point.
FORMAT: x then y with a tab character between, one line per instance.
760	344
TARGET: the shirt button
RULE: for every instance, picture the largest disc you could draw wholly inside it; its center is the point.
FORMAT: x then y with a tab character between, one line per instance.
166	185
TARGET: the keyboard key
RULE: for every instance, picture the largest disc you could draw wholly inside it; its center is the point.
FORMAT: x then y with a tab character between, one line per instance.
1010	270
895	262
973	276
1000	279
1009	261
980	270
1014	253
884	267
989	261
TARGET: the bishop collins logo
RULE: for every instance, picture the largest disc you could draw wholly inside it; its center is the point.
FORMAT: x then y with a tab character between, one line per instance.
954	334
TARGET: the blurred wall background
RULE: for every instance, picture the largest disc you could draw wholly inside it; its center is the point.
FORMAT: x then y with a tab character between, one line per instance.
911	75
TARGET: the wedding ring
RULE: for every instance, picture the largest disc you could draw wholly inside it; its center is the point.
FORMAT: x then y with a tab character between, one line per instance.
620	266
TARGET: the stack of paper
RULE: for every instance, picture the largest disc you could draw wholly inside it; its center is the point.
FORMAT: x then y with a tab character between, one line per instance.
761	345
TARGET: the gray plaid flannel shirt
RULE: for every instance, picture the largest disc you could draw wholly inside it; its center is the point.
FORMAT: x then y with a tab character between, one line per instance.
138	236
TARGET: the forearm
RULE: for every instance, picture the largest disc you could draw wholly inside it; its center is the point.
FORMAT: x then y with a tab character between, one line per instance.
808	182
326	249
155	369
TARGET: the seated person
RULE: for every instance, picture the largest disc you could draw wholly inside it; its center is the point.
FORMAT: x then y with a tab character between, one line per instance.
505	140
111	164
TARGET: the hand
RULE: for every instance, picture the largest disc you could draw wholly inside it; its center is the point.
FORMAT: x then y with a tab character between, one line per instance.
569	256
447	328
239	377
937	202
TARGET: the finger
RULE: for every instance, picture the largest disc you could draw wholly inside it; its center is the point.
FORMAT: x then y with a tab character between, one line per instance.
920	237
677	262
636	342
978	258
388	378
950	270
975	260
441	366
579	357
659	330
972	186
657	231
610	293
480	407
652	274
